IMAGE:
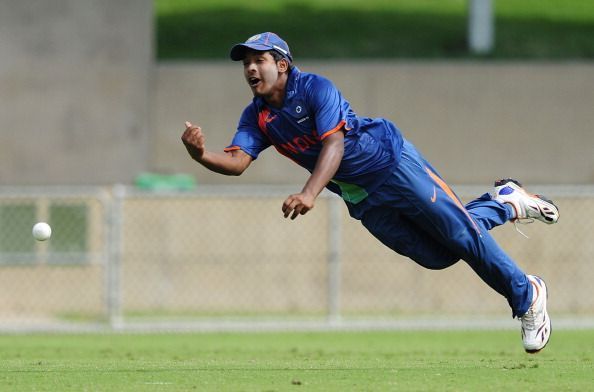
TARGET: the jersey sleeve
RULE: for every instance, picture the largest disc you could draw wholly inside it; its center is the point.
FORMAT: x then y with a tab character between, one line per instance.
248	137
328	106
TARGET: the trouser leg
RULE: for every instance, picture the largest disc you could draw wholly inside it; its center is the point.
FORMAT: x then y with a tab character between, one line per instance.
416	214
400	234
489	213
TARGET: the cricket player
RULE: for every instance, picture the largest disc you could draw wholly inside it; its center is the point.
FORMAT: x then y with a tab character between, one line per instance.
384	181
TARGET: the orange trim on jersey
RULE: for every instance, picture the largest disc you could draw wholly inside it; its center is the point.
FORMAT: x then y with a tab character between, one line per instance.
452	196
232	148
334	130
263	119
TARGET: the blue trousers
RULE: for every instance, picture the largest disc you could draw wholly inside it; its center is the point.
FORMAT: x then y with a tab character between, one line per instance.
416	214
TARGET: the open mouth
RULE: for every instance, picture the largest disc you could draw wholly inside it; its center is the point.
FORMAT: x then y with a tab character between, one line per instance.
253	82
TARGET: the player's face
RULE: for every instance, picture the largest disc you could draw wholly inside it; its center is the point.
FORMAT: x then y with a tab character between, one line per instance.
262	74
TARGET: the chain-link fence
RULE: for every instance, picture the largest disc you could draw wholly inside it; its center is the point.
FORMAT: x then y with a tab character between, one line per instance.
224	257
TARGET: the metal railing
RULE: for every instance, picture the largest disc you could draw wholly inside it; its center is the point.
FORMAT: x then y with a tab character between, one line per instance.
224	258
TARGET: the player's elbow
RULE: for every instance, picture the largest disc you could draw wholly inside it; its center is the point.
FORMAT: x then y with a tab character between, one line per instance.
235	172
238	163
228	170
239	167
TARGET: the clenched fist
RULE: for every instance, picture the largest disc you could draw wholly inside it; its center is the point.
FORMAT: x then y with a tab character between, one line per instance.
193	139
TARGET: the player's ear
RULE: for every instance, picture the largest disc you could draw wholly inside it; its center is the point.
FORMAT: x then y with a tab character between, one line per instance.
283	65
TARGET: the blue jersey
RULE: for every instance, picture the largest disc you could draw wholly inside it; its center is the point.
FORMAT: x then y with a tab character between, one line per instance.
312	110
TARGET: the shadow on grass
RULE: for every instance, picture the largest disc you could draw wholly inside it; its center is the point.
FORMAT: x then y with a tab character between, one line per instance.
313	33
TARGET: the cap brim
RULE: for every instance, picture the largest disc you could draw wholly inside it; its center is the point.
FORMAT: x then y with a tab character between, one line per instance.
239	50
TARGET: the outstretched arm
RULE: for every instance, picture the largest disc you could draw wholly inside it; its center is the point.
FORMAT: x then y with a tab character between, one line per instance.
232	163
326	166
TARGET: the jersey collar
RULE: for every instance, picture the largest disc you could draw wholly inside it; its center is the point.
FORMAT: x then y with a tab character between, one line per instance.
292	85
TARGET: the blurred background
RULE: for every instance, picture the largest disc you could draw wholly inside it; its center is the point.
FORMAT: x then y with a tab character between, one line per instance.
93	98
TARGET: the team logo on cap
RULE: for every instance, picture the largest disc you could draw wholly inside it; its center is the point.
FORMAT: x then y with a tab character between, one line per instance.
298	109
254	38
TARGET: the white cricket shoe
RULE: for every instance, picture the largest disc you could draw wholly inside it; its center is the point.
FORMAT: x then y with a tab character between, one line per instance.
527	206
536	325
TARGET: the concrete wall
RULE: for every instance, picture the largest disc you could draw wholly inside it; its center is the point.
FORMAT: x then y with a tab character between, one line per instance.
473	121
74	78
83	102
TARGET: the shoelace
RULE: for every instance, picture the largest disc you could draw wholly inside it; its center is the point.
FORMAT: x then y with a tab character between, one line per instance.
529	320
522	221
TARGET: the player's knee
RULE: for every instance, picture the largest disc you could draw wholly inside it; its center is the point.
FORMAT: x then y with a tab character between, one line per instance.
436	263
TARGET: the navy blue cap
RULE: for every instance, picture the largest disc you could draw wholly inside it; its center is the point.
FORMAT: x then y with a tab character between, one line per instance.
262	42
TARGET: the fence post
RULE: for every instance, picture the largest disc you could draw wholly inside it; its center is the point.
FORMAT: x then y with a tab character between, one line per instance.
334	257
113	270
481	26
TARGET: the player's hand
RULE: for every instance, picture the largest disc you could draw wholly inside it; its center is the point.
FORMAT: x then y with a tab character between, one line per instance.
298	204
193	139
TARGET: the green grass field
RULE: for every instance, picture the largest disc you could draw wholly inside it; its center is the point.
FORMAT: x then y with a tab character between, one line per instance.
330	361
526	29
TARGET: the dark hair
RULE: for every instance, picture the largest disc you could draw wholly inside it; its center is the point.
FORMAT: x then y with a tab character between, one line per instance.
278	57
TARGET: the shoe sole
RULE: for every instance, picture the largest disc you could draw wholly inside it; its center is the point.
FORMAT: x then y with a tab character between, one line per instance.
547	342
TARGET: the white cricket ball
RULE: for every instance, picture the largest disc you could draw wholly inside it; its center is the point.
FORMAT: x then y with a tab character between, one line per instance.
42	231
